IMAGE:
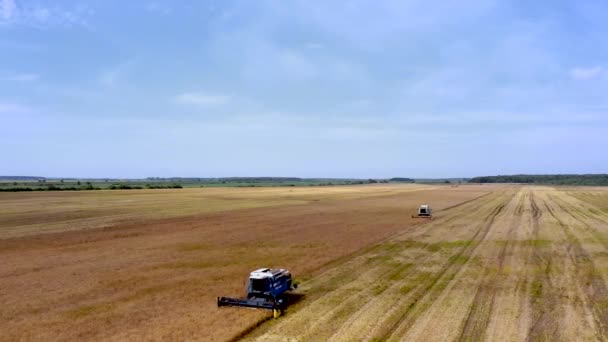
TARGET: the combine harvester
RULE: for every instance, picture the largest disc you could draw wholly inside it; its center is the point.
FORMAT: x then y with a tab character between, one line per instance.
266	290
424	211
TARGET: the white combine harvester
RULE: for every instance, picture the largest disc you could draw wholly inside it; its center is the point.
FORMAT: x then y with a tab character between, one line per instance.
424	211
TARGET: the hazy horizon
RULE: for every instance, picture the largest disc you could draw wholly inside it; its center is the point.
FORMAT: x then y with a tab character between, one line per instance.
218	177
359	89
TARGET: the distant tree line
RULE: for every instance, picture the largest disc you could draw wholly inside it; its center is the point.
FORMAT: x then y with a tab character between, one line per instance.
50	187
559	179
249	180
226	179
402	180
21	178
89	186
71	184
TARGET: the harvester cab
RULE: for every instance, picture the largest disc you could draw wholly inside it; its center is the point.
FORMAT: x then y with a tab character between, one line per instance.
266	290
424	211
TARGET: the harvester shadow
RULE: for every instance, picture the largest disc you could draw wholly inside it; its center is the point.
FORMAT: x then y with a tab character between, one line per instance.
291	299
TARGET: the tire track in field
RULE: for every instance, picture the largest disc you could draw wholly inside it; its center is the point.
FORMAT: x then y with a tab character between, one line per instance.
426	294
327	323
480	312
571	209
544	295
574	280
595	203
592	284
509	319
598	291
335	314
362	320
466	202
474	203
360	316
353	298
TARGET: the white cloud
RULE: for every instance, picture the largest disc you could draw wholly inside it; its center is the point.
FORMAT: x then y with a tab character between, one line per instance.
202	99
586	73
37	16
313	46
111	76
25	77
160	8
7	9
12	108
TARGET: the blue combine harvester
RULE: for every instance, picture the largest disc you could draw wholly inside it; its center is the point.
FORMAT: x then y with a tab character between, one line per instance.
267	289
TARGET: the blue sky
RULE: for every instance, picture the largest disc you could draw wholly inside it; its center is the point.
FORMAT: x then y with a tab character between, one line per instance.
303	88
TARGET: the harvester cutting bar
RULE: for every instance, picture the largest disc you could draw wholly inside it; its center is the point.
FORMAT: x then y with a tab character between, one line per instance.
259	303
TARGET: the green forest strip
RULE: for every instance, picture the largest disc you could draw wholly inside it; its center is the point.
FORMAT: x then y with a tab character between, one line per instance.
71	185
560	179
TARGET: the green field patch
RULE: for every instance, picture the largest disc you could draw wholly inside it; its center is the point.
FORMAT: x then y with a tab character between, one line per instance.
529	242
422	276
89	310
538	242
602	254
391	247
397	246
506	270
378	258
441	285
594	211
405	289
334	282
413	244
536	289
459	259
597	239
190	247
399	272
434	247
378	289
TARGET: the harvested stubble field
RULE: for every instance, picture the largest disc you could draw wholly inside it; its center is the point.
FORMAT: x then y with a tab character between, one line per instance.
523	263
497	262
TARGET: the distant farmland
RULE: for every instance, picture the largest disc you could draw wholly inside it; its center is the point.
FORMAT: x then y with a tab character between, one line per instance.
20	183
497	262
